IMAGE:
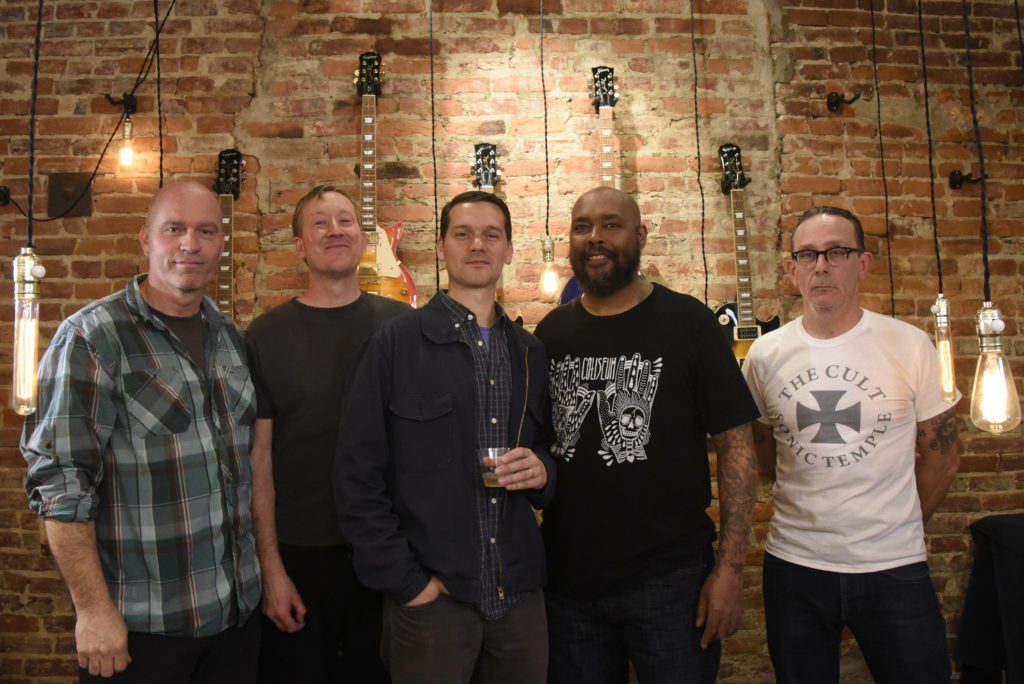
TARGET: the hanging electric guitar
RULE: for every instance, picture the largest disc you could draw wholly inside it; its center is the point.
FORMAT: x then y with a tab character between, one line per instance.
738	319
485	175
485	166
606	94
230	174
380	271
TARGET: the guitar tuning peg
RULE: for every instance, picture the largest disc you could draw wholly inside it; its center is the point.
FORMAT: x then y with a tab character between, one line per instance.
355	72
497	173
243	163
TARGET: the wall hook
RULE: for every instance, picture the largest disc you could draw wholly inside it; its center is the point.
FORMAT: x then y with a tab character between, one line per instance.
957	179
837	100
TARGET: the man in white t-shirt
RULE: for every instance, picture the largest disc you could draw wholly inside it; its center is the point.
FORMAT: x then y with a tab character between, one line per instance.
846	395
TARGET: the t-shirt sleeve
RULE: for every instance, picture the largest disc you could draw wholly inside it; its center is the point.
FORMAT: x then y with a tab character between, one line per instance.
928	401
264	403
723	396
750	368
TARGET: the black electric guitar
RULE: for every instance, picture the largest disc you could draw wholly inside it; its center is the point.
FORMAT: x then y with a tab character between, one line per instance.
380	270
606	95
738	319
230	174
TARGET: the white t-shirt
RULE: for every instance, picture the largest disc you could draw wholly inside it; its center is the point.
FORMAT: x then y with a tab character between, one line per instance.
844	412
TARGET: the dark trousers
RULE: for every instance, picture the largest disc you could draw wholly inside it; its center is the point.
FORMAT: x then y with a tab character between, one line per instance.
650	625
342	616
157	659
894	614
448	642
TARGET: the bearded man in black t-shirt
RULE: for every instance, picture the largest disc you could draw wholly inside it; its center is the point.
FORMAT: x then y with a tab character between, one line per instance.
640	375
300	354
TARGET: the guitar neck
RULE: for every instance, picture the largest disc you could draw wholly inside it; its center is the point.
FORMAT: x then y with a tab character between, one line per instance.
225	292
606	147
744	291
368	189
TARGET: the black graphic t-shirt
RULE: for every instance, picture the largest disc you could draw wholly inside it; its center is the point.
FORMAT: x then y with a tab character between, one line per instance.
634	397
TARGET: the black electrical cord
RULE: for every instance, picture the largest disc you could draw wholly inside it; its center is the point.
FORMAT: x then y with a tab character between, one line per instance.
881	154
931	154
981	151
696	134
159	100
1020	36
433	145
544	95
32	123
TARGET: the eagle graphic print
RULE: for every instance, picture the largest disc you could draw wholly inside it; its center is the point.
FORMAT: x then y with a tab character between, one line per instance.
619	390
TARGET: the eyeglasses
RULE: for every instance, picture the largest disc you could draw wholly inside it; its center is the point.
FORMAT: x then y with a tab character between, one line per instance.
833	255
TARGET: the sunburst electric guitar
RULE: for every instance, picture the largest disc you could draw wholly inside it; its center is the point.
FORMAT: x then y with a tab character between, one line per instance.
606	94
228	186
738	319
380	271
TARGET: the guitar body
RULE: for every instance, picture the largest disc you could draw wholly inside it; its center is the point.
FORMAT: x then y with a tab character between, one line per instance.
380	271
741	337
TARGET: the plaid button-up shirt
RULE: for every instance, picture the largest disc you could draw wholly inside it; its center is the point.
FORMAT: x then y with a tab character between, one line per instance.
131	434
492	373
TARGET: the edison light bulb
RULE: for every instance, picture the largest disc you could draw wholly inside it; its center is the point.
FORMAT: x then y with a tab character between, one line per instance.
995	407
549	279
27	272
127	154
944	345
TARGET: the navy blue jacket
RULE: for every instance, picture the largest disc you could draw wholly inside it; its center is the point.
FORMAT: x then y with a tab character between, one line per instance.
406	475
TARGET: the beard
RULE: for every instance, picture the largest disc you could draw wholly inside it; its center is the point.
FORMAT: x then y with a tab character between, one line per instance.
624	266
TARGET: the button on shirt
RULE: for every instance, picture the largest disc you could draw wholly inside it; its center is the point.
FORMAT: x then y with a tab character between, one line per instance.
493	379
130	434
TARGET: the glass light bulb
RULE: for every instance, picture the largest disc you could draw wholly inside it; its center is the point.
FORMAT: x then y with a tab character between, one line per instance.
26	271
995	407
127	155
944	345
549	280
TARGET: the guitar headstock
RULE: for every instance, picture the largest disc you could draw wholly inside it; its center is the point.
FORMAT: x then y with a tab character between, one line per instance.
606	93
368	76
485	165
230	173
733	177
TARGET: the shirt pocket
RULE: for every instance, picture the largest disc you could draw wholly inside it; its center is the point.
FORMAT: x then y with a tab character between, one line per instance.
422	431
239	393
156	401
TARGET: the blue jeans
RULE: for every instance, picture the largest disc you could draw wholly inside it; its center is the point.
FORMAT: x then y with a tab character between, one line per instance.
894	614
650	625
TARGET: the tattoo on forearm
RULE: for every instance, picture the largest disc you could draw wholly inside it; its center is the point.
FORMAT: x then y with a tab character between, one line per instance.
945	431
737	491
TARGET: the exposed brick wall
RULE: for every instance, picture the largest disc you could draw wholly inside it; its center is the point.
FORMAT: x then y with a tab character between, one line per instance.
273	78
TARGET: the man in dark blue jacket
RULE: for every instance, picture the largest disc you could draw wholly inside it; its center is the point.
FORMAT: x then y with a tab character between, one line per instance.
461	565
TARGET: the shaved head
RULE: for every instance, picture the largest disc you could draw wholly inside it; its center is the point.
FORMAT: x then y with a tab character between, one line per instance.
182	192
627	205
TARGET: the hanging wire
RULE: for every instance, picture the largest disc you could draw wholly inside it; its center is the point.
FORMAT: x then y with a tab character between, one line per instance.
32	123
981	151
931	154
1020	36
544	95
159	101
433	144
881	154
696	134
144	70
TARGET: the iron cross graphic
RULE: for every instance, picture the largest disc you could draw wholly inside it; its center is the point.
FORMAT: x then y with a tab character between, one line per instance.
828	416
